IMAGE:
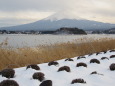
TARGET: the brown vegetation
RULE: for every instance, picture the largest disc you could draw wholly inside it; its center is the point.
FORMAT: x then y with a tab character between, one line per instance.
12	58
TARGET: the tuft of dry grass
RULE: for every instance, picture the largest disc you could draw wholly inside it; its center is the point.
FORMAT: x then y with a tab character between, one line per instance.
13	58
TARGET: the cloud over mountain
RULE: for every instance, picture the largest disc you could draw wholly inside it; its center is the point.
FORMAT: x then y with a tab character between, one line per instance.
99	10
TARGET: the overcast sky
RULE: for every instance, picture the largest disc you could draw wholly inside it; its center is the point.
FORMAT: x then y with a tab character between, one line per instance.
14	12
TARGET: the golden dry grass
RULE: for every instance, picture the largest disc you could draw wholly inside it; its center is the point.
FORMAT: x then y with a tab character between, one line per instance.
23	56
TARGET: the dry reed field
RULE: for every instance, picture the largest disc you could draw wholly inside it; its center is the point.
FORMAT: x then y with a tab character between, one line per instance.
13	58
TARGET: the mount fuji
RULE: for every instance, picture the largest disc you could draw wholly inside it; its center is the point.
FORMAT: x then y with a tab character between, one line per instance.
62	19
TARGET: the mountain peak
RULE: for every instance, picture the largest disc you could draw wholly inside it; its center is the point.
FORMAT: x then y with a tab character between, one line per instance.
63	15
62	19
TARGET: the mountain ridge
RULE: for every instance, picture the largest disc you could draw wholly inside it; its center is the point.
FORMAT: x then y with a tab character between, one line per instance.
57	21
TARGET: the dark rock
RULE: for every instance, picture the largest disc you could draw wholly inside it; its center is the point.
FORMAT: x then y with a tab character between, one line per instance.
78	81
46	83
95	72
66	68
80	57
9	83
8	73
81	64
112	56
69	59
39	76
112	67
33	66
112	51
95	61
104	58
98	53
53	63
104	52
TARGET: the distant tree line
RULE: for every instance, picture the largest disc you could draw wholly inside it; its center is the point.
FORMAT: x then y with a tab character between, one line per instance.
109	31
63	30
70	30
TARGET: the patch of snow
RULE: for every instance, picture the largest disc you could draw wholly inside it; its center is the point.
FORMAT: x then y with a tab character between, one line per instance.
63	78
66	14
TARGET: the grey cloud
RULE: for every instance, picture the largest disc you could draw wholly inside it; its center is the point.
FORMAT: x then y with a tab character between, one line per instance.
13	22
40	5
90	9
56	5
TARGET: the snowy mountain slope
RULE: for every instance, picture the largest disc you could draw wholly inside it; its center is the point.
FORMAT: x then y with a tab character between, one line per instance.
104	76
62	19
66	14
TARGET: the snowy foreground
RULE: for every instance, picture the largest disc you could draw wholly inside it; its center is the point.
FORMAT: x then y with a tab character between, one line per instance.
104	76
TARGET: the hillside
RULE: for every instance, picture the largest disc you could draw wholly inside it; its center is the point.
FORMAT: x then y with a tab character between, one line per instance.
67	30
110	31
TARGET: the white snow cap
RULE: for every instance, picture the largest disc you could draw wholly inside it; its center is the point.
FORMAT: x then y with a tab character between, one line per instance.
65	14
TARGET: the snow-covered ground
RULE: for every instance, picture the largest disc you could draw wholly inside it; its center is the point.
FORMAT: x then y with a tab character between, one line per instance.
20	40
106	77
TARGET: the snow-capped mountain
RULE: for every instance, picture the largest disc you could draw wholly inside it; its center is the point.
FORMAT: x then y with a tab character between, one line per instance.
64	15
62	19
